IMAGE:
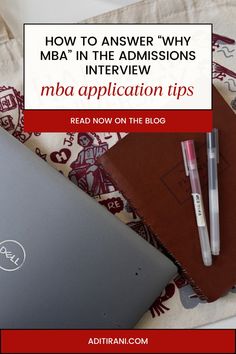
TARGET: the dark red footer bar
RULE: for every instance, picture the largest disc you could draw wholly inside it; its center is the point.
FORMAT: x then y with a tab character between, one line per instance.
118	341
117	120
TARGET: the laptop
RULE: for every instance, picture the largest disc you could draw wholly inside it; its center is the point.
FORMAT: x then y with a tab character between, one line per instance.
65	261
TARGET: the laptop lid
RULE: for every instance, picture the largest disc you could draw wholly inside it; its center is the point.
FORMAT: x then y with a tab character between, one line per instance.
65	261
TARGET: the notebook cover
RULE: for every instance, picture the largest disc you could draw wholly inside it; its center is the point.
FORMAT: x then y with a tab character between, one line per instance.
148	169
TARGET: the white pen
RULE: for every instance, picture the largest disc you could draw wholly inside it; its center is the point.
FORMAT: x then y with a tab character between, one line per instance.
190	163
213	160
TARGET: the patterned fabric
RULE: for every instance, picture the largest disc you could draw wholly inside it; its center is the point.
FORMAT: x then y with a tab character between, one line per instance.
75	155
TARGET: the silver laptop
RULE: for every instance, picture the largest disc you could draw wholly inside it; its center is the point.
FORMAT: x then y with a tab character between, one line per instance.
65	261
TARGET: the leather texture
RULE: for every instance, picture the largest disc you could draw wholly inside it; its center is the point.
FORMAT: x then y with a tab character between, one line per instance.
148	169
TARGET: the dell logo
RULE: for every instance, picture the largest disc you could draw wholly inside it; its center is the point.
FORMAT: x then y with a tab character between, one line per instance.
12	255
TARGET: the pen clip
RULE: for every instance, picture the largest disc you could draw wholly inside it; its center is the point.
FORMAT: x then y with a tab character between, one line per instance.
185	159
216	137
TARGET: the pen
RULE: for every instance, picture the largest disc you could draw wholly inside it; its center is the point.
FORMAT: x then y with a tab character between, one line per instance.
191	170
213	160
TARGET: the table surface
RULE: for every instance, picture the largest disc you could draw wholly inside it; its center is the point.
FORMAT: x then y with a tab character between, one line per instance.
21	11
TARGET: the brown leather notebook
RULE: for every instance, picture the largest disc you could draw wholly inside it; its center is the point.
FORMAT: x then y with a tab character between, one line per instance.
148	169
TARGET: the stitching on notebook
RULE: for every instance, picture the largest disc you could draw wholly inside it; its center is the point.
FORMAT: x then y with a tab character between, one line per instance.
183	270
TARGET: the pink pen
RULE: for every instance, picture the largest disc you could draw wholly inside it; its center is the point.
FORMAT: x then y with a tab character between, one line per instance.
191	170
